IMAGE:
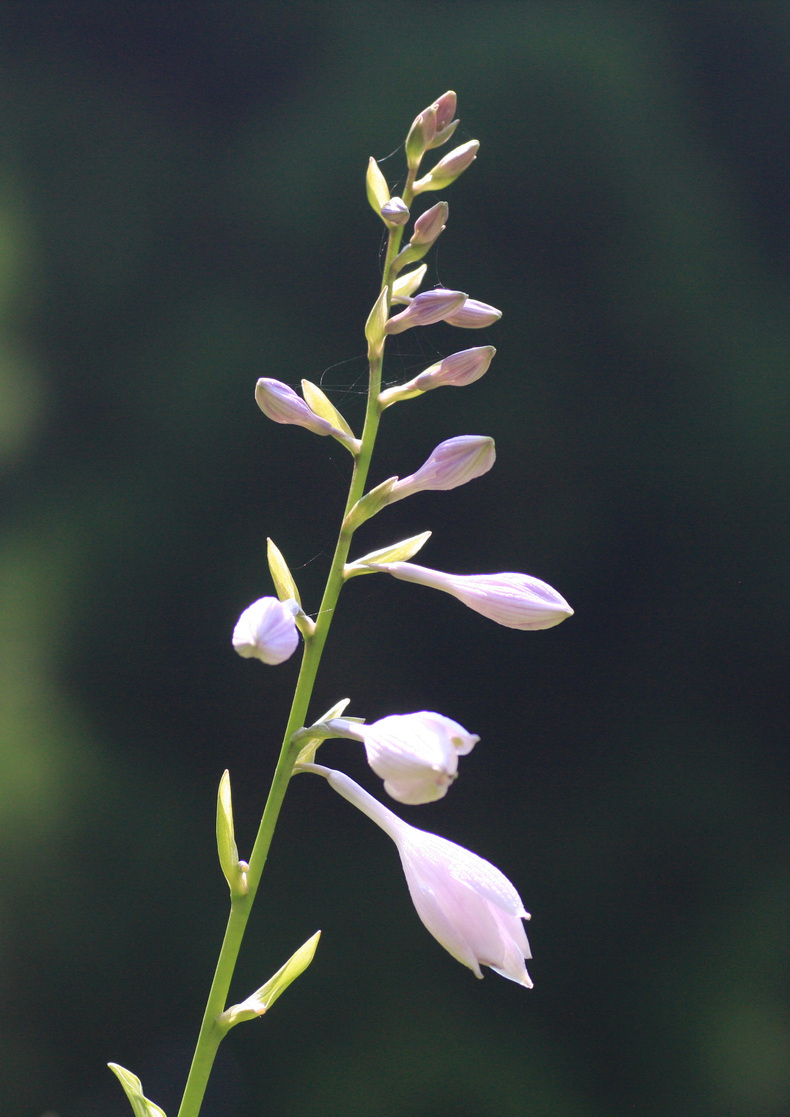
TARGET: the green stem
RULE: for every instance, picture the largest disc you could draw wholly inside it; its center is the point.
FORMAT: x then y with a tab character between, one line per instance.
211	1032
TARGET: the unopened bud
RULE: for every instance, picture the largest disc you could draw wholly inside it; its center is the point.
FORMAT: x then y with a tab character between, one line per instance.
454	371
280	403
451	464
449	168
430	224
474	315
266	630
425	309
395	212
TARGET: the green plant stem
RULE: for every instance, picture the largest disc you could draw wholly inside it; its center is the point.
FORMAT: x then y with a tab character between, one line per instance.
211	1032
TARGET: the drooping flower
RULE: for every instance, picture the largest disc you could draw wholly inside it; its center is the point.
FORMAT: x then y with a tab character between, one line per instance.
467	904
266	630
513	600
415	754
452	463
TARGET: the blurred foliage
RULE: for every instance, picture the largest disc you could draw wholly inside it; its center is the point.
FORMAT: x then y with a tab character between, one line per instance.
182	210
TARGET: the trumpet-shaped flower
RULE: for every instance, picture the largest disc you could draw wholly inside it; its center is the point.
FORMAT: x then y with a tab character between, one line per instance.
266	630
513	600
452	463
415	754
467	904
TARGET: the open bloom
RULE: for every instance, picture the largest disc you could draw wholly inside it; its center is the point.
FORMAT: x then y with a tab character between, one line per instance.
452	463
513	600
415	754
266	630
468	906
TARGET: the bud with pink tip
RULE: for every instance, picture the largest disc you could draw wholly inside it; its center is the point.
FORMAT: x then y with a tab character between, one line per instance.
448	169
452	463
467	904
430	224
474	315
425	309
512	600
266	630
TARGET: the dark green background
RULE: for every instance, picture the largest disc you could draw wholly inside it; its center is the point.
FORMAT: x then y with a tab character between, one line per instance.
182	211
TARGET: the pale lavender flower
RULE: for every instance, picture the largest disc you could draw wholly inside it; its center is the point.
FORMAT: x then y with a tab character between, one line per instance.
266	630
425	309
513	600
415	754
474	315
279	402
468	905
452	463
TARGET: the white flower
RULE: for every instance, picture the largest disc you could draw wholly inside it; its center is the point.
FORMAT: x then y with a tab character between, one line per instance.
266	630
513	600
416	754
469	907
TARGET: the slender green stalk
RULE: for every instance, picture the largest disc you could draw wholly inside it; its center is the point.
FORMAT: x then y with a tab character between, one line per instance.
212	1032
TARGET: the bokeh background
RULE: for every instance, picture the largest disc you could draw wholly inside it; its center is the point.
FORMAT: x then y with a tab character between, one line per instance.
181	211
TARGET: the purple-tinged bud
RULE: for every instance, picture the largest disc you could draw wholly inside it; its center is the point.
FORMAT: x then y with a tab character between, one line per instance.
421	133
512	600
281	404
395	212
473	315
454	371
451	464
266	630
448	169
430	224
445	110
425	309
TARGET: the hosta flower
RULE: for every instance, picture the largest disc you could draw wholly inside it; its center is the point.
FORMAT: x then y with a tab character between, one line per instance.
513	600
415	754
468	906
452	463
457	370
281	403
266	630
425	309
473	315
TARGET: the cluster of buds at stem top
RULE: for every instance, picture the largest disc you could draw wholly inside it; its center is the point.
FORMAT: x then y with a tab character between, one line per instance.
513	600
455	371
267	631
467	904
433	127
415	754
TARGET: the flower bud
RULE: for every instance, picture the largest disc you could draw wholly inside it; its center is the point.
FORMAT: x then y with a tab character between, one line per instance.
425	309
449	168
513	600
451	464
395	212
430	224
454	371
280	403
266	630
473	315
416	754
431	128
467	904
445	111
